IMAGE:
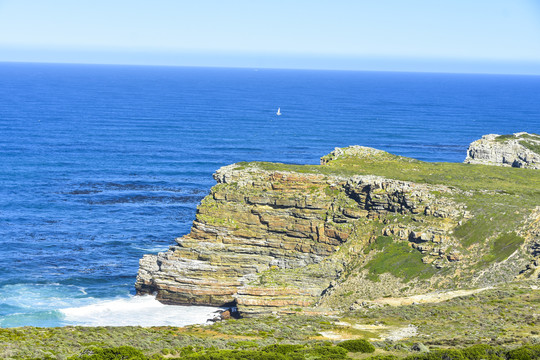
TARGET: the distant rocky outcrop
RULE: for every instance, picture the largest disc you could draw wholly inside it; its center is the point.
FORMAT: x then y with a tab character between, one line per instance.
521	150
282	238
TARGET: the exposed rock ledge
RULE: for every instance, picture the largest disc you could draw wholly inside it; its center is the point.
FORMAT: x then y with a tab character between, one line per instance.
520	150
270	239
256	221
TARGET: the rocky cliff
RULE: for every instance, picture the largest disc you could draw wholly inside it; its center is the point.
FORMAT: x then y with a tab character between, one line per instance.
364	224
520	150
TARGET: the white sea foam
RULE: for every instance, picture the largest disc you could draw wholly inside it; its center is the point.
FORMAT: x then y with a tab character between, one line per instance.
152	249
137	310
42	296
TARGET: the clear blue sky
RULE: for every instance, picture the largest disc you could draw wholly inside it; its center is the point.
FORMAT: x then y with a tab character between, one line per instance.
412	35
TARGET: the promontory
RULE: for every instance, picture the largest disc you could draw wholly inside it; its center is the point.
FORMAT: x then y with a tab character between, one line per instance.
364	225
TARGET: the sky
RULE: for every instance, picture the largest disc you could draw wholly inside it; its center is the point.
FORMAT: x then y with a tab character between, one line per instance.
484	36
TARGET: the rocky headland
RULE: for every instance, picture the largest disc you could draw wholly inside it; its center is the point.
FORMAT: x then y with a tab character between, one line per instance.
363	225
520	150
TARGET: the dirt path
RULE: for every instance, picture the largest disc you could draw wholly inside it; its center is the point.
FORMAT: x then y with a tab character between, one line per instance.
435	297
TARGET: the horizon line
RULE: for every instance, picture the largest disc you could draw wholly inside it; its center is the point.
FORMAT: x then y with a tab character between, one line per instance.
269	68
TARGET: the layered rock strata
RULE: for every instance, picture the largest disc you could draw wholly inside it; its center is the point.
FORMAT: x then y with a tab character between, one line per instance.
261	237
520	150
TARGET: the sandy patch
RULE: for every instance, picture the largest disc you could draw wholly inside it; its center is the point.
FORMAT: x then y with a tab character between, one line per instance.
434	297
402	333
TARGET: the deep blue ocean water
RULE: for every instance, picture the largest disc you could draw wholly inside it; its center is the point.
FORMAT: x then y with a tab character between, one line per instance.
102	164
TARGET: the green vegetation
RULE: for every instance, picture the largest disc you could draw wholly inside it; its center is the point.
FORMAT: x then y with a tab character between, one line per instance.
122	352
503	138
533	146
348	349
461	176
379	243
400	260
532	136
494	222
530	141
355	346
271	352
524	353
482	352
504	246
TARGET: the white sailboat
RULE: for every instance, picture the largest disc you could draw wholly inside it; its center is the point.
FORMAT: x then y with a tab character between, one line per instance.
278	111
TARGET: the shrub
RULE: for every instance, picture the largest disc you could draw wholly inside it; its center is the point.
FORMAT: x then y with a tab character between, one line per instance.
274	352
357	346
383	357
324	352
530	352
243	344
282	348
483	351
446	354
117	353
237	355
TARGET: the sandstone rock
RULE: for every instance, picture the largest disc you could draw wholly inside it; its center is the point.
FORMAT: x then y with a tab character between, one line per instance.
226	315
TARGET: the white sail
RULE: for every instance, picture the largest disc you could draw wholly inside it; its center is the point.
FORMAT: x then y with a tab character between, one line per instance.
278	111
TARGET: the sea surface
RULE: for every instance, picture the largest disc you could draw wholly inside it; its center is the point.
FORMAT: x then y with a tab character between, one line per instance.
102	164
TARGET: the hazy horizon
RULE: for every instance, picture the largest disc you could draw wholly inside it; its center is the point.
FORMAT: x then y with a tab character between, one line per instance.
448	67
495	37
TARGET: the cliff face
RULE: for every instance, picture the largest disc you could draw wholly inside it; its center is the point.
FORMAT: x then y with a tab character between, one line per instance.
273	237
518	150
252	221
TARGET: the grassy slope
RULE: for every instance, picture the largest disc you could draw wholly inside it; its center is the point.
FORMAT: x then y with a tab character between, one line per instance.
461	176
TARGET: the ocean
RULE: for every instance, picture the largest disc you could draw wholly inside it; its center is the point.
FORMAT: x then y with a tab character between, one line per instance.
102	164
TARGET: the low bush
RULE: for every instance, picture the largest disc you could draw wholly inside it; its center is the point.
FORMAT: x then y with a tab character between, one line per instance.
325	352
275	352
362	346
530	352
446	354
117	353
483	352
237	355
383	357
282	348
